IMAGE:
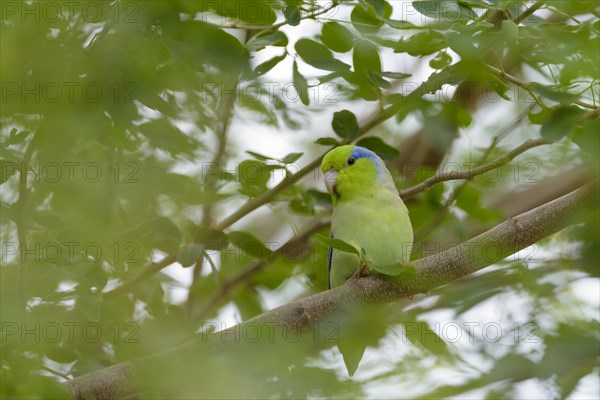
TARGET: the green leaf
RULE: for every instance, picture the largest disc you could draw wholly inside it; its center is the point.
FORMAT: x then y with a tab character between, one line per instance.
211	238
189	254
321	198
163	135
61	355
267	38
365	58
327	141
396	75
259	156
365	20
290	158
383	150
337	244
90	306
337	37
421	44
48	220
14	137
445	10
562	122
292	15
555	93
366	88
198	43
586	136
510	31
300	85
253	176
249	245
441	60
345	124
463	46
163	234
318	55
397	24
266	66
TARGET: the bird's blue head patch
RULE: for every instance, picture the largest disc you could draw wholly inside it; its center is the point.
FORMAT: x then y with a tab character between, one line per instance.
361	152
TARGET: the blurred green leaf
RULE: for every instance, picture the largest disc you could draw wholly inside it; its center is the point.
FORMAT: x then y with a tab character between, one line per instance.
267	38
365	19
90	305
337	244
318	55
337	37
292	15
327	141
421	44
291	158
441	60
268	65
300	85
383	150
61	355
345	124
366	58
249	245
562	122
188	254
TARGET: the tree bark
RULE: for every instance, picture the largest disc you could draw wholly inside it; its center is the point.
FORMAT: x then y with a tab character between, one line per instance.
433	271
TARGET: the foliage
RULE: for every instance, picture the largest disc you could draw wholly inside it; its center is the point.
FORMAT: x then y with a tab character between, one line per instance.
128	146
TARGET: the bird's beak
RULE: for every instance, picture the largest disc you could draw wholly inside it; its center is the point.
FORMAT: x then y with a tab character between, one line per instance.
330	178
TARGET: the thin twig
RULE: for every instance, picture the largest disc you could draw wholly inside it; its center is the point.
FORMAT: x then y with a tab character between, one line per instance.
143	273
441	214
277	25
471	173
529	87
52	371
521	17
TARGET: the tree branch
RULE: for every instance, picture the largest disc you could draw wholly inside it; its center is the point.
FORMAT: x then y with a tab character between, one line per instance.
252	204
278	25
441	214
530	87
507	238
471	173
528	12
243	276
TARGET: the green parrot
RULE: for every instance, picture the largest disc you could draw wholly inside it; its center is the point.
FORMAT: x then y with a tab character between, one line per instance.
367	212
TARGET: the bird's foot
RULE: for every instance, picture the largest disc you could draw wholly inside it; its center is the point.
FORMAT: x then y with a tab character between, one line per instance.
361	272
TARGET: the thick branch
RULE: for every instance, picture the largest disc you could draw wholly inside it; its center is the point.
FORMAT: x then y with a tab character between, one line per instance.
492	246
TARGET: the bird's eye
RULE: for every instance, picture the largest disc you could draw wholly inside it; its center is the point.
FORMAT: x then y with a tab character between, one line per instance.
351	161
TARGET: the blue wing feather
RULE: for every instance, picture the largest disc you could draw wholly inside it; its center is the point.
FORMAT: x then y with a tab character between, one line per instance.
329	257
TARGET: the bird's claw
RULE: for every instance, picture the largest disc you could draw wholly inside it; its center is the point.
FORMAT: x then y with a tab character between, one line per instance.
361	272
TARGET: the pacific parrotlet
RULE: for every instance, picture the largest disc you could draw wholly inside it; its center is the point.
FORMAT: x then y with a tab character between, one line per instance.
367	212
